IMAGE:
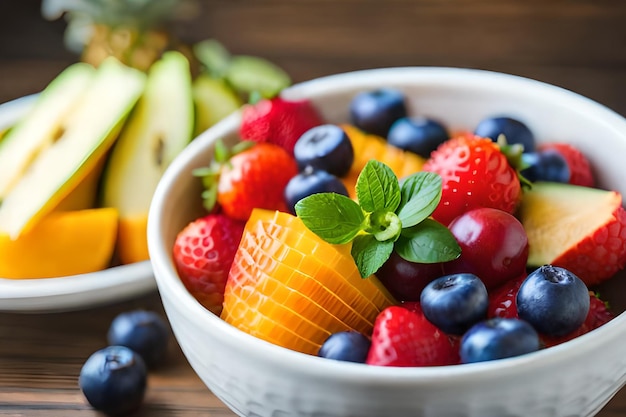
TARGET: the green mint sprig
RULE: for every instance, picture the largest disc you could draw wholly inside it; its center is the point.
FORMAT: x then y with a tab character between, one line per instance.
390	215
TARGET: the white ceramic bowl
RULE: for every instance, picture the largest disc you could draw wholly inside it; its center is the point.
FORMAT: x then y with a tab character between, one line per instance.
255	378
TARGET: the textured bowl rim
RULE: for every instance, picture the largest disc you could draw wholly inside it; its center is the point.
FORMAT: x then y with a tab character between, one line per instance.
170	286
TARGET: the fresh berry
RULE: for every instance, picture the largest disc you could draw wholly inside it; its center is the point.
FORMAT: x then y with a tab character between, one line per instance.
545	165
404	279
578	228
247	177
325	147
404	338
515	131
347	346
375	111
454	303
145	332
278	121
475	174
578	165
502	299
419	135
498	338
311	181
494	245
553	300
113	380
203	253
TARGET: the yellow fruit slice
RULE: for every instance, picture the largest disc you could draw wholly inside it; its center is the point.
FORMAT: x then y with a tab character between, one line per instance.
62	243
132	243
367	147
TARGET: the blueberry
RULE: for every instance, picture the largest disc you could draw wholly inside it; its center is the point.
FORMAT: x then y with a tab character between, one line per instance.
325	147
145	332
455	302
419	135
350	346
515	131
553	300
375	111
498	338
547	165
113	380
311	181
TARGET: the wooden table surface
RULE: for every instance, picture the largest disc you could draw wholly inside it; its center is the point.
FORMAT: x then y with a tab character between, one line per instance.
578	45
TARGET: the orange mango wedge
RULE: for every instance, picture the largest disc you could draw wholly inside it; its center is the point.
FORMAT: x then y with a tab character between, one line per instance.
63	243
285	274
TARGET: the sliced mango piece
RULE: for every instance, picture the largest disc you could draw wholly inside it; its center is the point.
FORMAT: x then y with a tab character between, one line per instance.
61	244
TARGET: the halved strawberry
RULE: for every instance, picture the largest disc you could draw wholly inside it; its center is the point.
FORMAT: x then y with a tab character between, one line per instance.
579	167
203	253
578	228
278	121
402	337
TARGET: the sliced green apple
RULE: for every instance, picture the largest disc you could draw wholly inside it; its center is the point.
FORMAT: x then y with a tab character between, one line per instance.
160	126
214	100
80	139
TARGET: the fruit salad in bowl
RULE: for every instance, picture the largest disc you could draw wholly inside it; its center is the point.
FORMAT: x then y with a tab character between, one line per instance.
403	241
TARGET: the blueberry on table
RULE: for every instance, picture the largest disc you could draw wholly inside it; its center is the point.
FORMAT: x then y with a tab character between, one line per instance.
498	338
455	302
515	131
145	332
311	181
349	346
325	147
545	165
419	135
553	300
113	380
375	111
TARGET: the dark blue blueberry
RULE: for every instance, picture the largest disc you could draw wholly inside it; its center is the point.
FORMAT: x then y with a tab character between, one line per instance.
547	165
311	181
498	338
375	111
455	302
553	300
515	131
347	346
145	332
326	147
113	380
419	135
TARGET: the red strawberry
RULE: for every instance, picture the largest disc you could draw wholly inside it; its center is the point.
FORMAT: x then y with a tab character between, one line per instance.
475	174
502	299
404	338
278	121
254	177
203	253
579	167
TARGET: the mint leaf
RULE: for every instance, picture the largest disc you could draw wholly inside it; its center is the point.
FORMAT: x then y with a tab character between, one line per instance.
421	193
369	254
427	242
333	217
377	188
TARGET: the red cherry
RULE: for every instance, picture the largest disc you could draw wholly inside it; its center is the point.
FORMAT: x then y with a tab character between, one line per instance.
405	280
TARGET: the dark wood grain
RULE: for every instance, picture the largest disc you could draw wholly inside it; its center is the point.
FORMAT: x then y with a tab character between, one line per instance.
579	45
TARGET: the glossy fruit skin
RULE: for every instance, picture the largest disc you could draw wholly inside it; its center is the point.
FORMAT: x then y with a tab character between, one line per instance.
145	332
498	338
325	147
475	173
494	246
577	163
547	165
349	346
113	380
404	279
553	300
419	135
375	111
402	337
278	121
311	181
515	131
203	253
455	302
502	300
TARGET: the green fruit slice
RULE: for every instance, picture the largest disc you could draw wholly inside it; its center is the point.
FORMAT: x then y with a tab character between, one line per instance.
250	74
214	100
